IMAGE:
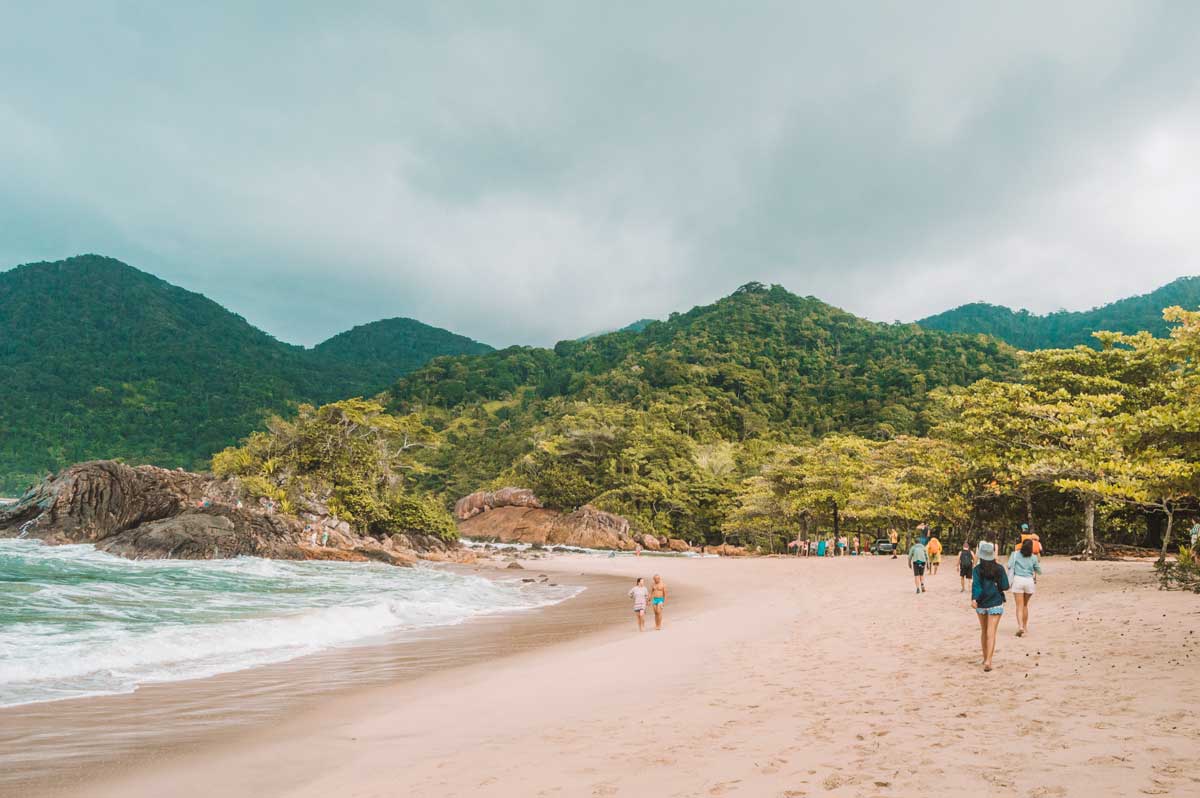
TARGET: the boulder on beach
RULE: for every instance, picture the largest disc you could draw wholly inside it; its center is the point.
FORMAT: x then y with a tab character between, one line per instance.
587	527
482	501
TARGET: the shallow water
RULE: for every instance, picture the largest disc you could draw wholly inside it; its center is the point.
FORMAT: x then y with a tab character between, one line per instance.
76	622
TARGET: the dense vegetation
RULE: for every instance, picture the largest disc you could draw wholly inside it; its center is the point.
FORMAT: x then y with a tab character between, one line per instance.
1086	435
98	359
766	416
662	425
347	459
1025	330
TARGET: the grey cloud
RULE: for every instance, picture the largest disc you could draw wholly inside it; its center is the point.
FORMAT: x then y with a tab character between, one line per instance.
528	173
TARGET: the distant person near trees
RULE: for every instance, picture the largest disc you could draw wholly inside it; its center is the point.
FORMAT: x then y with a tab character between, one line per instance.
1023	567
934	547
1195	537
966	562
918	556
1027	535
989	580
894	537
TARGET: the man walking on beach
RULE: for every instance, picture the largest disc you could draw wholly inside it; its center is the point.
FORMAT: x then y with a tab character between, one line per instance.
917	557
658	600
966	562
894	537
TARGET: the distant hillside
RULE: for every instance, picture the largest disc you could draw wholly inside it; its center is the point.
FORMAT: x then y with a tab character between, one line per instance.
1025	330
383	350
99	359
636	326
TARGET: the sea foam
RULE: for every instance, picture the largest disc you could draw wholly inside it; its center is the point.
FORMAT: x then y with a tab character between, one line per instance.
75	622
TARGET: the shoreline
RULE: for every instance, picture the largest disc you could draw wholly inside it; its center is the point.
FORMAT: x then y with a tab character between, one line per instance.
773	677
53	747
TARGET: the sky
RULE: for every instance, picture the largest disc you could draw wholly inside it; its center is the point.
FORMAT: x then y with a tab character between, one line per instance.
527	172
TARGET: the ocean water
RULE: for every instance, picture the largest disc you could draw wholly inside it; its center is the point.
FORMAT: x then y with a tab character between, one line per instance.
78	622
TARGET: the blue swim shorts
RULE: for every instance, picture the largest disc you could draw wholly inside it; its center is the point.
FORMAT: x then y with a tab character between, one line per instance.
991	610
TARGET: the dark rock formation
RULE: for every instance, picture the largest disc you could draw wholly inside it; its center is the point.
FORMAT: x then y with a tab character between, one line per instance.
153	513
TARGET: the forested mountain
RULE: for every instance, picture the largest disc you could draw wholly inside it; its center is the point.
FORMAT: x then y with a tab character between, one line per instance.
1025	330
99	359
662	424
383	350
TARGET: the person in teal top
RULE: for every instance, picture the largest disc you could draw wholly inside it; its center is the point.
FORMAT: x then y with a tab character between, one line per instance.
989	580
821	547
1023	566
917	557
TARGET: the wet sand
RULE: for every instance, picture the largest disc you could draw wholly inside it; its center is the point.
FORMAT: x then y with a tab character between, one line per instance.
61	747
773	677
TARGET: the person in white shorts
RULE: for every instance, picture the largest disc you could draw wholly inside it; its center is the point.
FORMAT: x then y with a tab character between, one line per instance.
1023	567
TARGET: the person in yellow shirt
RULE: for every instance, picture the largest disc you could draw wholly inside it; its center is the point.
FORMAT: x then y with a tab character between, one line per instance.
934	547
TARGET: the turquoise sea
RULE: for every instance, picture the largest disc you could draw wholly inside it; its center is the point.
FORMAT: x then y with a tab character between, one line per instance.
78	622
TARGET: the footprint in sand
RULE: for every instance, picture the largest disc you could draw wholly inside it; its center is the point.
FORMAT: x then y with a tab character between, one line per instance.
723	787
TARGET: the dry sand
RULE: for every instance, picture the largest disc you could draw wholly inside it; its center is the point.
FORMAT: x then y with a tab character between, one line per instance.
773	677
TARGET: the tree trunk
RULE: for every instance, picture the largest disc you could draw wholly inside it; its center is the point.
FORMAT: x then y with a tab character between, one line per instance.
1029	508
1089	527
837	524
1170	511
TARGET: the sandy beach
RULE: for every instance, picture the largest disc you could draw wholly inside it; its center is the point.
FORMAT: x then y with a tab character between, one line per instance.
773	677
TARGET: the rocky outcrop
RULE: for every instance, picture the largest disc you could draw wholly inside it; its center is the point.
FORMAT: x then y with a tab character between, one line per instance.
650	543
482	501
592	528
587	527
675	544
154	513
726	550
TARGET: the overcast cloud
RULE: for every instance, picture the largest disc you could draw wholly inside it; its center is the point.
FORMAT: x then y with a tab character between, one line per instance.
539	171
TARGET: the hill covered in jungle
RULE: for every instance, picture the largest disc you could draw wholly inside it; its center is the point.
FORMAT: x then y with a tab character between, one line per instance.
1030	331
99	359
662	424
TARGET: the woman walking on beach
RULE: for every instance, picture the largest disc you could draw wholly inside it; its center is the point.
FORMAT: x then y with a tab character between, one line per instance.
1022	565
640	596
988	582
658	595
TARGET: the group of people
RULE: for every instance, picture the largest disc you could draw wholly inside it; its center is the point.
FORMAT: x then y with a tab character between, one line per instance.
655	596
841	546
990	581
